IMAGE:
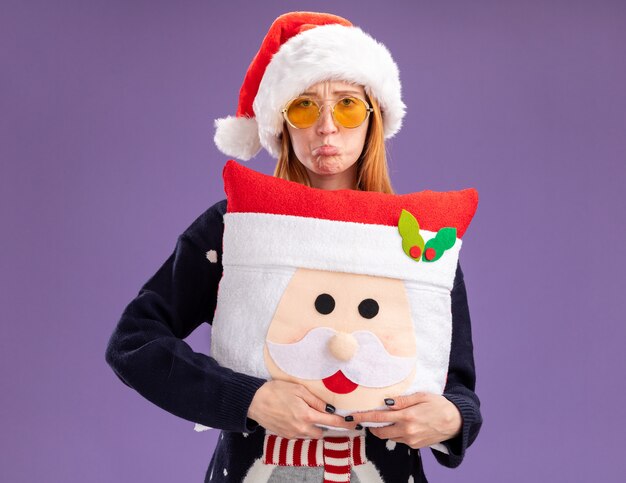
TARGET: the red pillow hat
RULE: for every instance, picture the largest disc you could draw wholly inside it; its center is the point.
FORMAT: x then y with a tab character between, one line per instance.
346	292
299	50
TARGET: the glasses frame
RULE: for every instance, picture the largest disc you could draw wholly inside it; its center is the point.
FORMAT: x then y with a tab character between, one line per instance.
369	109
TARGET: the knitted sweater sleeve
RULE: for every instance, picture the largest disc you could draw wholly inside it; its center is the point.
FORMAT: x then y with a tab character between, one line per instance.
461	381
147	351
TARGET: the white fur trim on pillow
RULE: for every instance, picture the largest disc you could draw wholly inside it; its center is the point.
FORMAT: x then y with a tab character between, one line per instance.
237	137
246	300
293	241
327	52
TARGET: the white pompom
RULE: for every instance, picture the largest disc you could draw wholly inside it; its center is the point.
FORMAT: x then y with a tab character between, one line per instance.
237	137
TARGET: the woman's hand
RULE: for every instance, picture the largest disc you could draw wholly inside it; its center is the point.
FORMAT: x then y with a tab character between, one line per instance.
419	420
292	411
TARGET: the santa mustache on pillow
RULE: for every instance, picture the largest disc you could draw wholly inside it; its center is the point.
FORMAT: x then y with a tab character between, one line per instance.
345	292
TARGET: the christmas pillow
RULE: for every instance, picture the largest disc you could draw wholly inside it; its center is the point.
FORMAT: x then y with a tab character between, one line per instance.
345	292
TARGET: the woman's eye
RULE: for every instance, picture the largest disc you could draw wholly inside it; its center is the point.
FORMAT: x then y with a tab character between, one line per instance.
306	103
324	304
347	101
368	308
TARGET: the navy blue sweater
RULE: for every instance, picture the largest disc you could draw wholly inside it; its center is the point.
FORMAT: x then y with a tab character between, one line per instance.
147	352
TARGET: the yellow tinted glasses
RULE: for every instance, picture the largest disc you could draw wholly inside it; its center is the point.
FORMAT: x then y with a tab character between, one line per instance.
303	112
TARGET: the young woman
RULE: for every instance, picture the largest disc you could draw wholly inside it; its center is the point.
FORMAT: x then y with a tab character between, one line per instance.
321	96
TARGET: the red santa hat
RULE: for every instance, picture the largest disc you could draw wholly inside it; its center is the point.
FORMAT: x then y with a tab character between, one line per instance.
299	50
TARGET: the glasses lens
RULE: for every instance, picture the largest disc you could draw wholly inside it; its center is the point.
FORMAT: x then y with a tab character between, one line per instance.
350	112
303	112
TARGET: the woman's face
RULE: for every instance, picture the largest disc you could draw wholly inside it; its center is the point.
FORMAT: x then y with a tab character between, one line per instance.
327	149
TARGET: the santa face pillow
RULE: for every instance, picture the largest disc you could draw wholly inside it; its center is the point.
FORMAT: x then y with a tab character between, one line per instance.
345	292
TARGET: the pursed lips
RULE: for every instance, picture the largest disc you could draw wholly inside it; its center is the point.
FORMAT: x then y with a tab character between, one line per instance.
326	150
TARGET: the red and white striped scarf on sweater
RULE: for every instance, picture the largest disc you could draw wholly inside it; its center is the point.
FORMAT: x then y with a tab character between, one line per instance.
336	454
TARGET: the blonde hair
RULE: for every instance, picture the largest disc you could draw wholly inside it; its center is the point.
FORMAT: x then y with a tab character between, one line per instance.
372	171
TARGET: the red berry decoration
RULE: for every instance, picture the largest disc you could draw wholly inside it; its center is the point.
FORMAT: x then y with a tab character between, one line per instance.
415	251
430	253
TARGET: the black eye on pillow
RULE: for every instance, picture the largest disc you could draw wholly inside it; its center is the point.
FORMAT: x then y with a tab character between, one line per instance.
324	304
368	308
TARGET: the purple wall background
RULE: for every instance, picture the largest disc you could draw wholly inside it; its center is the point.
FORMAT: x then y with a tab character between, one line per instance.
107	155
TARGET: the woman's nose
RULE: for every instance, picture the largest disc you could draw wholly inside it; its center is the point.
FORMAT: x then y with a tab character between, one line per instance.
326	122
343	346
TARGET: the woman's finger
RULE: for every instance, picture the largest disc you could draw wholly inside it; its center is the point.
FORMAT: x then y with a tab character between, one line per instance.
377	416
387	432
315	402
402	402
333	420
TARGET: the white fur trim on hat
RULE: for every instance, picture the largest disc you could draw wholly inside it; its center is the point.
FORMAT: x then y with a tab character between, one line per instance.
237	137
328	52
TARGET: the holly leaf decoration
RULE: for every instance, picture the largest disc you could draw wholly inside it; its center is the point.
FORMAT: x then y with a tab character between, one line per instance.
412	241
435	247
447	237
